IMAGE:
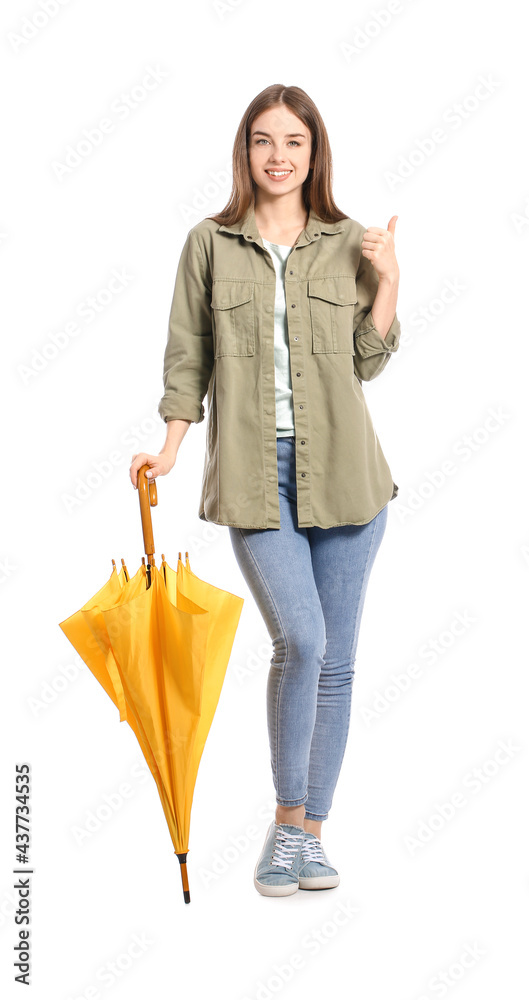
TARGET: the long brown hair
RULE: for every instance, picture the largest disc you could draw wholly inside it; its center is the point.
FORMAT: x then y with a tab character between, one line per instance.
317	187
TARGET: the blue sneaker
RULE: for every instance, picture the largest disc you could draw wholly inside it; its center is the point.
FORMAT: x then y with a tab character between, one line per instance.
276	871
315	872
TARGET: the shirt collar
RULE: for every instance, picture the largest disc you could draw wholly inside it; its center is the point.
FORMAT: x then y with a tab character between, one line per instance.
247	227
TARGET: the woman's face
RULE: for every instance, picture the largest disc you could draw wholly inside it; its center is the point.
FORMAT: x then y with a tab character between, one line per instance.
279	142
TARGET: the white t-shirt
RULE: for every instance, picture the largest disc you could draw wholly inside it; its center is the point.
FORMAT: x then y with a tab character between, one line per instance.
283	381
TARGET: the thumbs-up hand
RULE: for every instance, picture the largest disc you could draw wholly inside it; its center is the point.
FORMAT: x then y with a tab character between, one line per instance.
378	245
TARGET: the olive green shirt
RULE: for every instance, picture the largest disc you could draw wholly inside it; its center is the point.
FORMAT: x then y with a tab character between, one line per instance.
221	342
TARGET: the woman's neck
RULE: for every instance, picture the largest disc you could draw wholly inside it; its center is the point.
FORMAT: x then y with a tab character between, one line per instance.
279	224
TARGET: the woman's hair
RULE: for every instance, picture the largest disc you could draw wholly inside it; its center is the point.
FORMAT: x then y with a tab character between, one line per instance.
317	187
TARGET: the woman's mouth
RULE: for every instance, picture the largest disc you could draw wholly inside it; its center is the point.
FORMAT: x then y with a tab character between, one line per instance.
278	175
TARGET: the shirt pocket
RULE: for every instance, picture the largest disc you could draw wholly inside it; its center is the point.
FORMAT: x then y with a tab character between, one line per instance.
233	306
331	304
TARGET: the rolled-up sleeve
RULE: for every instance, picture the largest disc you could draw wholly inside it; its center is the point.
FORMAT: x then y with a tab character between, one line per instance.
188	359
372	351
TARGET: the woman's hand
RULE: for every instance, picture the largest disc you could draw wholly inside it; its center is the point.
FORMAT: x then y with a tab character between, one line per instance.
378	245
159	465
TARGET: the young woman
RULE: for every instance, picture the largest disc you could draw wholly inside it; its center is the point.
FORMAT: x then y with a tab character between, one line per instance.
282	307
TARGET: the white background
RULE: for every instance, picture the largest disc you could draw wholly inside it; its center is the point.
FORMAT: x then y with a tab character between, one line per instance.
456	544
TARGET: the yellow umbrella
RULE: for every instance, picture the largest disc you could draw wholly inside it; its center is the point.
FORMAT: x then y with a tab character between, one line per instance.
87	633
159	643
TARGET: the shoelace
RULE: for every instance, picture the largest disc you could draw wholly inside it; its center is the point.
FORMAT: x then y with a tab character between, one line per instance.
285	848
313	851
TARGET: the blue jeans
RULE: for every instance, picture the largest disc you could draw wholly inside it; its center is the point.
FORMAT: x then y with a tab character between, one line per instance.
309	585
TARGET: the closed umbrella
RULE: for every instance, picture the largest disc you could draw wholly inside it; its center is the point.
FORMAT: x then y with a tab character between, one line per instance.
159	643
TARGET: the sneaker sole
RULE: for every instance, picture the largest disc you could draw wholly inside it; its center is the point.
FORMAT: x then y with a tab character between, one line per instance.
321	882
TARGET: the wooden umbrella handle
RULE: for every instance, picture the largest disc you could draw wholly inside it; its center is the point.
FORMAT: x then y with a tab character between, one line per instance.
183	871
148	498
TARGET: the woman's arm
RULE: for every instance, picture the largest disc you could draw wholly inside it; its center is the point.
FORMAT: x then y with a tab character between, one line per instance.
376	327
160	465
188	359
385	304
176	432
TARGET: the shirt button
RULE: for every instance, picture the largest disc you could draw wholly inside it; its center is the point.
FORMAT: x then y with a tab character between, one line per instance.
298	373
296	338
301	406
302	442
291	272
293	305
303	474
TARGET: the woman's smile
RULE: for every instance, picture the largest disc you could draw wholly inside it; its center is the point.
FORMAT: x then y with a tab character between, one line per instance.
278	175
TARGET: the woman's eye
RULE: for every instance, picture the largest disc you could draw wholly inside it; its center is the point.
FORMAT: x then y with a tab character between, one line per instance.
296	143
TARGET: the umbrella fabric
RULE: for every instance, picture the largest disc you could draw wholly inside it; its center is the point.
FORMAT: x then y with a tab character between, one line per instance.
161	654
224	610
86	631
